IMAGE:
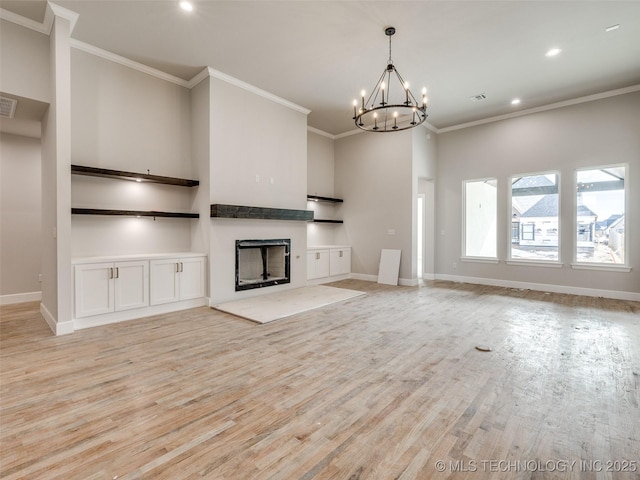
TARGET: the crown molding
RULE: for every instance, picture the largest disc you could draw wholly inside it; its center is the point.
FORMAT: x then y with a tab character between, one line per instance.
250	88
320	132
99	52
25	22
53	9
544	108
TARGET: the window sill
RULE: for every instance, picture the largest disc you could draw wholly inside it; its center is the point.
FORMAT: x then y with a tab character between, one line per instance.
533	263
480	260
601	266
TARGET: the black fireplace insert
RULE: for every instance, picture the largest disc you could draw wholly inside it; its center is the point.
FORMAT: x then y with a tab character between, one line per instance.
262	263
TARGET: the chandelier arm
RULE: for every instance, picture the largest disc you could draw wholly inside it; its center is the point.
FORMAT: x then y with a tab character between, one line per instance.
408	92
376	90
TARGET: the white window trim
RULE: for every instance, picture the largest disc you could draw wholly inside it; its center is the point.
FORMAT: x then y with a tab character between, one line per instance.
493	260
463	256
537	263
612	267
605	267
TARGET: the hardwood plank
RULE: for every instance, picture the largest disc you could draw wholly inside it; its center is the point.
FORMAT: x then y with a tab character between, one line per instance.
376	387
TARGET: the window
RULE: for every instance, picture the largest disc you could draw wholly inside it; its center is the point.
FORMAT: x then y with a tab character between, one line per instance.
534	209
480	215
600	215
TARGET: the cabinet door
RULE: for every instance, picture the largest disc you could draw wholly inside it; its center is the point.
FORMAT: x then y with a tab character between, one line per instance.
131	285
164	281
340	262
322	263
311	265
317	264
94	289
192	277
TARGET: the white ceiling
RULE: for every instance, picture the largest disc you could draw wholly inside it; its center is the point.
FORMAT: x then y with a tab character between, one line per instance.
320	54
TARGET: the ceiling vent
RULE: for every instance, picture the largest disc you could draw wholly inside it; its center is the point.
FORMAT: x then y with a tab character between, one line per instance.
478	98
7	107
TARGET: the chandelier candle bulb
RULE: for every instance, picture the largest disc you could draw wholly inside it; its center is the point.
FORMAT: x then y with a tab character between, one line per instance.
363	93
406	93
375	120
355	104
382	91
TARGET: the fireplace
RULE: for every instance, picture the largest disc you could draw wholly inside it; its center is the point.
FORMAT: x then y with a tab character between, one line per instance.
262	263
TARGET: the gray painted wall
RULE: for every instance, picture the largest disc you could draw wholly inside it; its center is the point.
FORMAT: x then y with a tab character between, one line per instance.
596	133
20	228
320	181
123	119
374	177
25	62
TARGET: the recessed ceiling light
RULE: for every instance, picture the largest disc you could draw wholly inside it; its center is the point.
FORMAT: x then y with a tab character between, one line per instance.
553	52
612	28
515	101
186	6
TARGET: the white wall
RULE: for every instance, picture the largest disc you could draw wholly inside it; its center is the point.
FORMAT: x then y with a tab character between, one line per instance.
424	144
320	181
201	149
374	174
589	134
25	62
56	185
259	158
20	228
123	119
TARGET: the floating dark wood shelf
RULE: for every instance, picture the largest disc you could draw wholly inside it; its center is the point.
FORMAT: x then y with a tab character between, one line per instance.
131	213
259	213
141	177
320	220
317	198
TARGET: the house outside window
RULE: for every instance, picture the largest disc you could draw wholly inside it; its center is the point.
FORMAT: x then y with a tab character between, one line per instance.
600	215
480	218
535	202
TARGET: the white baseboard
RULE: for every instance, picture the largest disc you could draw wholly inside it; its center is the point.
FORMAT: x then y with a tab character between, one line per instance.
58	328
543	287
115	317
20	298
428	276
405	282
335	278
366	278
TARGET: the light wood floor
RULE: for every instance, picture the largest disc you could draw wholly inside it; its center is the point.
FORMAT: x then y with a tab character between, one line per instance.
382	386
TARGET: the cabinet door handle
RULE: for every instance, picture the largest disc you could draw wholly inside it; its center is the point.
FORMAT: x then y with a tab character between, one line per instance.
340	253
177	267
181	267
117	272
317	255
110	273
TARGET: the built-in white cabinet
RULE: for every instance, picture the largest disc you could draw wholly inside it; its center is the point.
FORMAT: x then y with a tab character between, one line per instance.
110	287
339	261
328	263
113	289
174	279
317	264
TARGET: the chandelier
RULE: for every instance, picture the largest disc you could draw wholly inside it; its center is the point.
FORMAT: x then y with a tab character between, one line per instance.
391	106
